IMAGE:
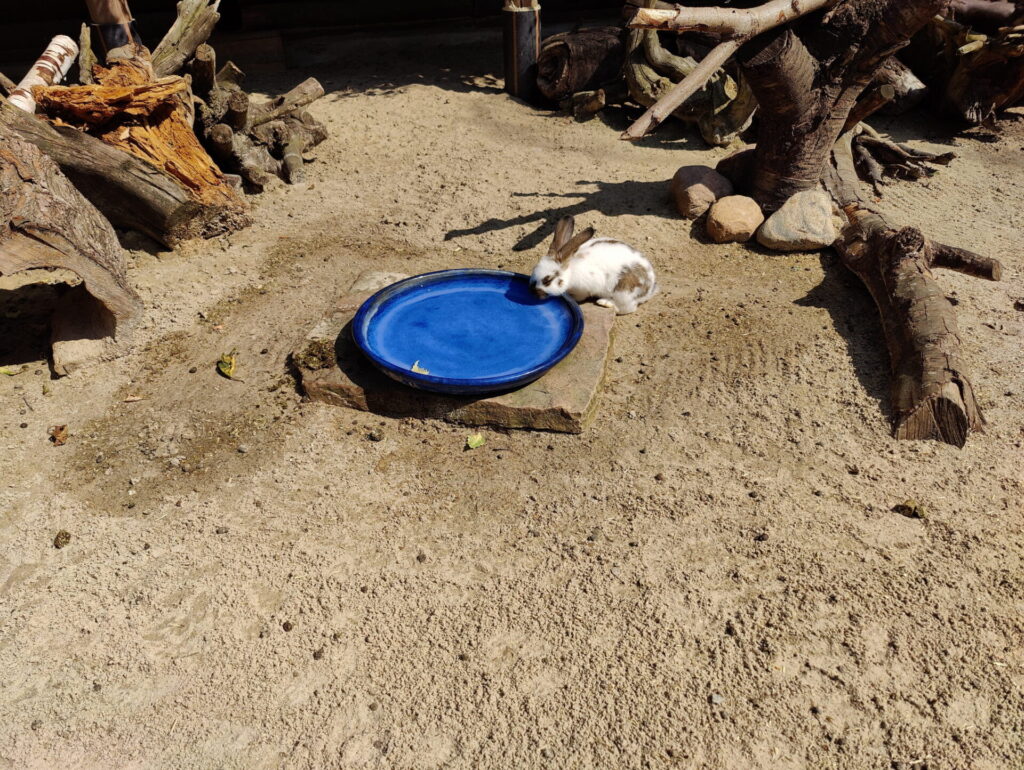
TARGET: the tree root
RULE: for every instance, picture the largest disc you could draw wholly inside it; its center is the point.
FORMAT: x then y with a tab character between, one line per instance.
878	157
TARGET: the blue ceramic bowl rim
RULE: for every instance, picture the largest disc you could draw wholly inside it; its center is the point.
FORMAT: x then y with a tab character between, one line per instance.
496	383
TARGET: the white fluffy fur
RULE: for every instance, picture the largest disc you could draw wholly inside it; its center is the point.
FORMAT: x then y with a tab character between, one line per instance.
593	273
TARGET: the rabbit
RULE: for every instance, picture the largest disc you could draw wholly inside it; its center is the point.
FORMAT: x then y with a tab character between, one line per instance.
614	274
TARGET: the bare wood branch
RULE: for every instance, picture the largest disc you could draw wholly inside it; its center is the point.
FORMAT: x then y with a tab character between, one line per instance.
86	57
967	262
728	22
196	20
682	91
307	91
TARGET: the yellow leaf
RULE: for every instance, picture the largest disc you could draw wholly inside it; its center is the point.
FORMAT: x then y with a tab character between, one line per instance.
419	369
227	364
475	441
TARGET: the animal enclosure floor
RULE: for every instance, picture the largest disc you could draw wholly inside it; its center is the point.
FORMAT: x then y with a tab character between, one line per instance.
712	575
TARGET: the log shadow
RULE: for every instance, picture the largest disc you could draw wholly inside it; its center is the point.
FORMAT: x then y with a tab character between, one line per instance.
25	322
611	199
855	318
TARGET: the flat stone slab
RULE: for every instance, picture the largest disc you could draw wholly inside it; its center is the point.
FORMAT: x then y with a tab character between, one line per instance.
334	371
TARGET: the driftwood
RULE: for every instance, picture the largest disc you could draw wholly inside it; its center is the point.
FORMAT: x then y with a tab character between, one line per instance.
192	26
46	223
806	96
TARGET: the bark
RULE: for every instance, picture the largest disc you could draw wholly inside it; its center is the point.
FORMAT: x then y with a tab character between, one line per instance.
46	223
570	62
909	90
192	27
86	58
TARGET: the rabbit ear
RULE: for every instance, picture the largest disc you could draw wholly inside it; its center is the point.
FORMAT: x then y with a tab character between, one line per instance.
563	232
570	248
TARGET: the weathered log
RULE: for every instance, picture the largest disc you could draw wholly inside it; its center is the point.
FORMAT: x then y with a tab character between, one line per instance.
86	57
583	60
146	118
192	27
306	92
873	100
7	85
50	68
521	44
909	90
984	15
46	223
129	192
203	69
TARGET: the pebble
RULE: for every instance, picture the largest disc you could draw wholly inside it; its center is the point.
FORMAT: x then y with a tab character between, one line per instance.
221	530
287	625
695	188
243	449
716	699
547	753
375	435
734	219
804	223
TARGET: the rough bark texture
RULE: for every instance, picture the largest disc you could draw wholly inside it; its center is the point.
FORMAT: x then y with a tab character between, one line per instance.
193	25
131	193
46	223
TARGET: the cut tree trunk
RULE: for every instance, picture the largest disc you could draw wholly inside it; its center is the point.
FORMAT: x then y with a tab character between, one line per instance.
46	223
50	68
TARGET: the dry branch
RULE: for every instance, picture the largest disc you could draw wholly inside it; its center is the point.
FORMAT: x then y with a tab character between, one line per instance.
193	25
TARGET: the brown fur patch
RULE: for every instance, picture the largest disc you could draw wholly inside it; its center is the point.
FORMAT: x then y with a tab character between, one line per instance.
631	278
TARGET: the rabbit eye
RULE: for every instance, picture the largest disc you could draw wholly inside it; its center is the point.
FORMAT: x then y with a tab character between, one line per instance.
547	281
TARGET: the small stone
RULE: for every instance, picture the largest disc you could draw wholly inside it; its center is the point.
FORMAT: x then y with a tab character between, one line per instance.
193	370
318	654
1019	305
61	539
243	449
761	537
659	476
716	699
695	188
221	530
23	425
547	753
287	625
734	219
36	724
375	435
421	557
372	280
804	223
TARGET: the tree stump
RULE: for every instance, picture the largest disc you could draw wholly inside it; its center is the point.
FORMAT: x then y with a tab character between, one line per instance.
46	223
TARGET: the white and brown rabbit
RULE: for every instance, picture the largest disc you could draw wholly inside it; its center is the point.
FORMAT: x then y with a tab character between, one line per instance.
611	272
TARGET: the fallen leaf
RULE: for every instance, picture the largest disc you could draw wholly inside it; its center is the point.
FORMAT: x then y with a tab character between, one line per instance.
132	399
59	435
11	372
419	369
227	364
475	441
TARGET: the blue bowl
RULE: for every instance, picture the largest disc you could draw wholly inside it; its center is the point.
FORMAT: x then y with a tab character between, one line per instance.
466	332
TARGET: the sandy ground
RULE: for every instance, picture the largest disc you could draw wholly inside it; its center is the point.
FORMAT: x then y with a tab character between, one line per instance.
712	576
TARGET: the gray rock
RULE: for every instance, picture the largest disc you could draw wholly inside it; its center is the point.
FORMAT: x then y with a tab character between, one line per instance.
695	188
372	280
804	223
734	219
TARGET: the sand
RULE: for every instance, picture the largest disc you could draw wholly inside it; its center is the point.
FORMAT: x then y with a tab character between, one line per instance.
712	576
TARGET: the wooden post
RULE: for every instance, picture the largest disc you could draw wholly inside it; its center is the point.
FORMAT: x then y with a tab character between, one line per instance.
521	41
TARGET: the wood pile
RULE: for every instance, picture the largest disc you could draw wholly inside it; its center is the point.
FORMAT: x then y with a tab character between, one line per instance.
163	143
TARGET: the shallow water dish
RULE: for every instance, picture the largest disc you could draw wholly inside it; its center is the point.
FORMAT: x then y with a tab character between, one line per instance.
466	332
